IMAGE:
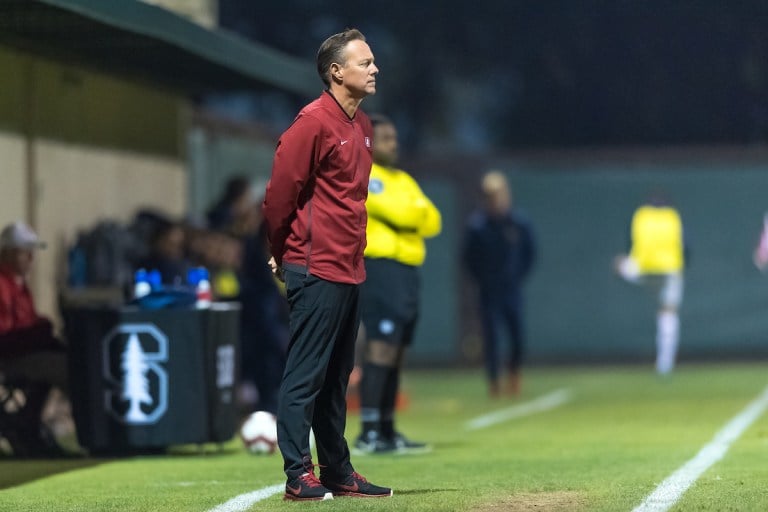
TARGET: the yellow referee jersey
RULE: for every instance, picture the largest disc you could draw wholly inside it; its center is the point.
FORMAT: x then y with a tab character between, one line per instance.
400	217
657	240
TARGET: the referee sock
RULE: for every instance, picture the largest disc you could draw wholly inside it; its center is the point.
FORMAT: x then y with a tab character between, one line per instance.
389	402
667	336
372	389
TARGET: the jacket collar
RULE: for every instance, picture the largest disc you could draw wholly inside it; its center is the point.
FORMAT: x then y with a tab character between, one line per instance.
330	102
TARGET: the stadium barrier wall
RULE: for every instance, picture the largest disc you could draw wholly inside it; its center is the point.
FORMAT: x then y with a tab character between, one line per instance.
577	309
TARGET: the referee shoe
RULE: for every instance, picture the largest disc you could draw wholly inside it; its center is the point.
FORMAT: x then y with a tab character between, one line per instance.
405	445
371	442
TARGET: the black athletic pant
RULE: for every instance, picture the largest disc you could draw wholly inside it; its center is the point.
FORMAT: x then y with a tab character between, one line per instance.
497	313
324	317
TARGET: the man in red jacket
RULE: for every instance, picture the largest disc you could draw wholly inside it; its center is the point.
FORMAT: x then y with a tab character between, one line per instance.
29	352
314	209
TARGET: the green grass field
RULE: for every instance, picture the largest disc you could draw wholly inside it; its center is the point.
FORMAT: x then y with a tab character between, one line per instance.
620	433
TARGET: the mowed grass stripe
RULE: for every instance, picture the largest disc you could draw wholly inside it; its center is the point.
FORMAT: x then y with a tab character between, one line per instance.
672	489
540	404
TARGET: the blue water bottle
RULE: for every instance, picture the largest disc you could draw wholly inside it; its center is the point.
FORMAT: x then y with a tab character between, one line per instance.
141	286
193	277
78	271
155	279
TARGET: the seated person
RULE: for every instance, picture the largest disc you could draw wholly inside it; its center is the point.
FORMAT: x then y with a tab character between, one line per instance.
29	352
167	253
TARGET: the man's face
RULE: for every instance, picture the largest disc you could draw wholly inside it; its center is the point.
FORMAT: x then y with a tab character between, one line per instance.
19	260
358	71
498	201
171	245
385	144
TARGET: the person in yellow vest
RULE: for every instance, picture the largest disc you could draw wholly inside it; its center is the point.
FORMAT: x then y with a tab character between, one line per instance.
657	258
400	217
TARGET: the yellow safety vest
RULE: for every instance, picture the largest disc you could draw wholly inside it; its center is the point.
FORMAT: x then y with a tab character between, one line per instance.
657	240
400	216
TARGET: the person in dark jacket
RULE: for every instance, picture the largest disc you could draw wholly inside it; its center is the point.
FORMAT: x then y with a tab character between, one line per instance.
314	209
263	322
167	246
498	253
233	206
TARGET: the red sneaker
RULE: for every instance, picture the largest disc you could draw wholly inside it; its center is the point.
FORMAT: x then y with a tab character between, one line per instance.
305	488
356	485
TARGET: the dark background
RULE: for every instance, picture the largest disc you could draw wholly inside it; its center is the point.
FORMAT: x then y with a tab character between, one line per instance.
478	76
586	106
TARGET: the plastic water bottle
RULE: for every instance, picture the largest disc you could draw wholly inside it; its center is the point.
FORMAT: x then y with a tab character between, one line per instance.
141	286
203	289
78	271
193	277
155	279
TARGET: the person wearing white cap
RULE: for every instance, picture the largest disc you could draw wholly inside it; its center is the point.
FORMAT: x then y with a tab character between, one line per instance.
29	352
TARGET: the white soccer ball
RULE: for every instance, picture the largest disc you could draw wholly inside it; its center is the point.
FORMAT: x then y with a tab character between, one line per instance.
259	433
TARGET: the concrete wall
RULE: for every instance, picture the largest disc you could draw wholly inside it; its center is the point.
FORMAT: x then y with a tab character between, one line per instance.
78	146
13	195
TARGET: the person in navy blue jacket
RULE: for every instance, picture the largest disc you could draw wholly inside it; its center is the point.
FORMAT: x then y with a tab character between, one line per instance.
499	251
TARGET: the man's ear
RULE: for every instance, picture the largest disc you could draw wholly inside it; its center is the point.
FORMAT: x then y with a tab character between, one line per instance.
337	72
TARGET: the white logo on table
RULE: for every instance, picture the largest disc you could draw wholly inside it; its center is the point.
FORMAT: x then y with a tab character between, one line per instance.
225	366
225	372
137	382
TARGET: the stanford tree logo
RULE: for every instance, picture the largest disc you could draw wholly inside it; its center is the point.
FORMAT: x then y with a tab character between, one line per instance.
137	383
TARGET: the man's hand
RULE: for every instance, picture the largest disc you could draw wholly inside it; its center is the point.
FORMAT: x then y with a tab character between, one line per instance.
276	269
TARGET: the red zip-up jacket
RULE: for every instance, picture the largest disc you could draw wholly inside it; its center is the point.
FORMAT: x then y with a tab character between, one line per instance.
314	206
22	330
17	310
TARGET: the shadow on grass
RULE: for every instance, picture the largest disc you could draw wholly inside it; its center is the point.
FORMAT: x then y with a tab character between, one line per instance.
18	471
15	472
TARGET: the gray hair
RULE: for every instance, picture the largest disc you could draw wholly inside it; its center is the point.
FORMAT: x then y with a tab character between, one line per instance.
332	50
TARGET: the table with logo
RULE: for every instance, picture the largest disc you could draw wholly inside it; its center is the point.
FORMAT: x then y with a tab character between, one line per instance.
147	379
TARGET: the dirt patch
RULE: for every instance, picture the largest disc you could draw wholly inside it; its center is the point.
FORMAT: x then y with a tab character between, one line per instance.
557	501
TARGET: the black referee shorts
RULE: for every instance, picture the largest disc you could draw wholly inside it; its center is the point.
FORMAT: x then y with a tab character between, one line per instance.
390	300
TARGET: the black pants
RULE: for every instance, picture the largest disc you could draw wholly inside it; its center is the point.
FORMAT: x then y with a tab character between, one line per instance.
498	313
324	318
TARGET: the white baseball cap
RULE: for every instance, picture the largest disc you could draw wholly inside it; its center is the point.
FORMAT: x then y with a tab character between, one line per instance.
18	235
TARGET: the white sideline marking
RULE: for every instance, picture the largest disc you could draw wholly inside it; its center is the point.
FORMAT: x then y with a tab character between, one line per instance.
244	501
541	404
671	489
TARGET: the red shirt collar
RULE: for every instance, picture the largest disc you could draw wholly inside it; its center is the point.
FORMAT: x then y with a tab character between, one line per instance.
331	103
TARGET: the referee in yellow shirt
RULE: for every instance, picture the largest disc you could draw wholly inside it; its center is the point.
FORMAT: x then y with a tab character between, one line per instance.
657	259
400	217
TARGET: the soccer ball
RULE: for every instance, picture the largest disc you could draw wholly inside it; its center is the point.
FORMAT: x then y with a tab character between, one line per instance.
259	433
